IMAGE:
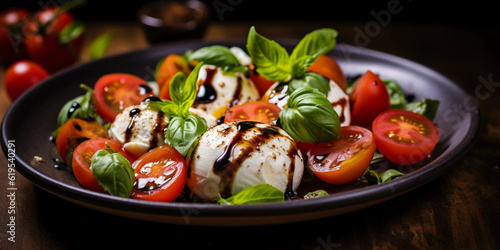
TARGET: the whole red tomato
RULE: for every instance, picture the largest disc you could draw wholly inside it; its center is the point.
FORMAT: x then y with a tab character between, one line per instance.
42	40
11	34
22	75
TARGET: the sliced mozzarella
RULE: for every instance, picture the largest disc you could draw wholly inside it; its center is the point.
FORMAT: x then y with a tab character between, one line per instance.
241	55
233	156
139	128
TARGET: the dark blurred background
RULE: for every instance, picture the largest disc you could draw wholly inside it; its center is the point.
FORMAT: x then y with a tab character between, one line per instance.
479	12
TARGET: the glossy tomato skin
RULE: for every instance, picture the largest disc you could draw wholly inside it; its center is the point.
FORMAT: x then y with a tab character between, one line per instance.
43	45
329	68
257	111
170	65
404	137
161	175
21	76
261	83
82	157
117	91
12	21
74	132
368	98
344	159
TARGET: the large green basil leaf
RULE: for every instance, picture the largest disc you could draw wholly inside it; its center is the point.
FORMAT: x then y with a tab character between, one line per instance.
262	193
312	80
113	172
309	117
312	46
270	59
217	55
183	132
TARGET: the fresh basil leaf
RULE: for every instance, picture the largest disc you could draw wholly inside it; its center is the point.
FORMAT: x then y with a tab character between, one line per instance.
113	172
316	194
312	80
71	32
312	46
426	107
183	132
309	117
372	176
99	45
270	59
262	193
169	108
389	175
217	55
396	95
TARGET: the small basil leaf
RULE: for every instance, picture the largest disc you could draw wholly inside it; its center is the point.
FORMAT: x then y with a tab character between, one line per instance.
270	59
262	193
372	177
179	91
113	172
183	133
169	108
312	46
396	95
316	194
312	80
99	46
389	175
71	32
217	55
425	107
310	117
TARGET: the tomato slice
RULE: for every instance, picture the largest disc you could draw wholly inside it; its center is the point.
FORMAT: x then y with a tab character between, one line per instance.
258	111
172	64
329	68
160	175
344	159
369	97
76	131
404	137
114	92
82	156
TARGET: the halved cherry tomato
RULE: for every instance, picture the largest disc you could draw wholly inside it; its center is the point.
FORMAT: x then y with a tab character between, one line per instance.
114	92
160	175
172	64
21	76
329	68
42	42
404	137
11	33
82	156
344	159
261	83
369	97
258	111
76	131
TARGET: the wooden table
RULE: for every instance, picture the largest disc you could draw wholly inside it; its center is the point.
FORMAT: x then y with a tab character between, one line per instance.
459	210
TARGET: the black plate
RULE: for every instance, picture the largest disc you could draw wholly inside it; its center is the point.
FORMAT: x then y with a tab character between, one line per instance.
30	120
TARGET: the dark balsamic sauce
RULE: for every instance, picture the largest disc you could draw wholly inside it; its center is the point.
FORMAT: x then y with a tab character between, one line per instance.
74	107
134	114
342	103
151	98
145	89
206	91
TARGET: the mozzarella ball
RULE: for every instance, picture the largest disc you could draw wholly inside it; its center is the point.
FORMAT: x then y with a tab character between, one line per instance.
234	156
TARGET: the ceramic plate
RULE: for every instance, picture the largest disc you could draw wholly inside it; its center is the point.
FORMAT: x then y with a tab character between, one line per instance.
31	119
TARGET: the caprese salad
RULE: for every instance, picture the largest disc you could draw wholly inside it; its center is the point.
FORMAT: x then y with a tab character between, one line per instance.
235	126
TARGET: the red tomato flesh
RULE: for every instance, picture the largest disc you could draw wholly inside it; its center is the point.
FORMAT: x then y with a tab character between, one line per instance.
404	137
257	111
344	159
160	175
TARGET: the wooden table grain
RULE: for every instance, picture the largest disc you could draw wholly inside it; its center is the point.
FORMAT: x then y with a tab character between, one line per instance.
458	210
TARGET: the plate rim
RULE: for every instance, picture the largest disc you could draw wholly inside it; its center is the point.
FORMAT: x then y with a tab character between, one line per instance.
396	187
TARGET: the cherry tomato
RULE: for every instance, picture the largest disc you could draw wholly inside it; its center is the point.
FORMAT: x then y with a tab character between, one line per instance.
21	76
369	97
114	92
329	68
261	83
344	159
82	156
42	40
404	137
258	111
172	64
160	175
76	131
11	33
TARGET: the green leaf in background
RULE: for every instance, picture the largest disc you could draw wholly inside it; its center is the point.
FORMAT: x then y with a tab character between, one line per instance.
71	32
217	55
396	95
262	193
426	107
99	46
